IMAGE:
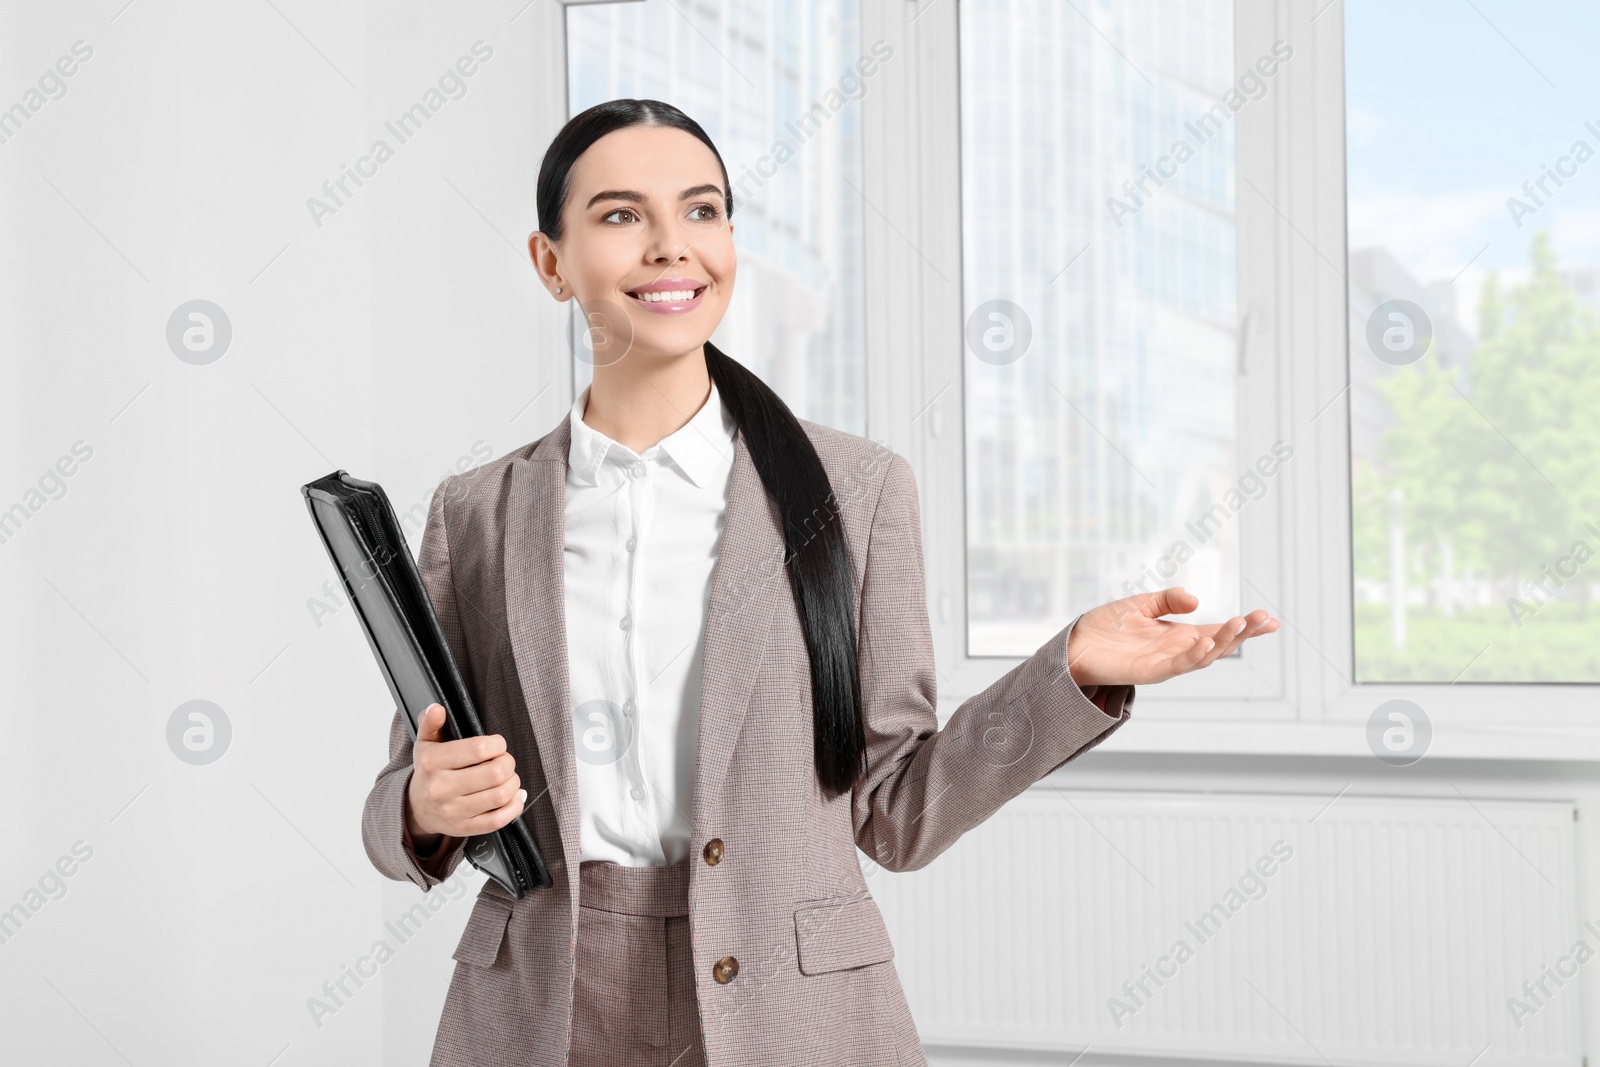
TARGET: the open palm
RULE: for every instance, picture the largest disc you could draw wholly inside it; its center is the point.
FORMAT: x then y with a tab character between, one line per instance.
1126	642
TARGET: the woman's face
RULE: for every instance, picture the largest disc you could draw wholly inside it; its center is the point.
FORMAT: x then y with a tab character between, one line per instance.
645	212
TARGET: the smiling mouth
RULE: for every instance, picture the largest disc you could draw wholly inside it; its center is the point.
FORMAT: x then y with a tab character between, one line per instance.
676	296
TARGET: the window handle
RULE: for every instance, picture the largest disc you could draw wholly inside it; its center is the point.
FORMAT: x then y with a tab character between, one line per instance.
1244	338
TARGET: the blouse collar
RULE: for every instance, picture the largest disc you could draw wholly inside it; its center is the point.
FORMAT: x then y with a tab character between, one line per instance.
700	448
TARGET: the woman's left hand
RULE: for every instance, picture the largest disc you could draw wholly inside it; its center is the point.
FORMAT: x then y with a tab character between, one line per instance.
1126	642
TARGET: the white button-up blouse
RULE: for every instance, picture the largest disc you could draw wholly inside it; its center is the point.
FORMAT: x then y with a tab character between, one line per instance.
641	538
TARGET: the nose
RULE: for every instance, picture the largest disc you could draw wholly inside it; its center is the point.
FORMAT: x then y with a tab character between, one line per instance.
668	243
669	252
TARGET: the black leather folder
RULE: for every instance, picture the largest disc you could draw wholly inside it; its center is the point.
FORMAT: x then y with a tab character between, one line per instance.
368	549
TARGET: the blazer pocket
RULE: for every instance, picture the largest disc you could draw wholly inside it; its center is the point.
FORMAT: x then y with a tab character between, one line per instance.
486	928
833	935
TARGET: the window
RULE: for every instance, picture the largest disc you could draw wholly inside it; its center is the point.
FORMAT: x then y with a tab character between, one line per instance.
1099	296
1474	250
1099	349
778	90
1177	222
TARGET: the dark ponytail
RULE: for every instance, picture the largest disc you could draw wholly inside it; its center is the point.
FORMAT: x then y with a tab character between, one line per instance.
791	471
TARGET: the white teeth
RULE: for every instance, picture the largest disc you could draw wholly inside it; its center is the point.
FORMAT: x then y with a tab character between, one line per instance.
677	296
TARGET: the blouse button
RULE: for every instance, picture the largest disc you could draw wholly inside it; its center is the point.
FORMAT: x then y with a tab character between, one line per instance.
636	793
633	542
625	623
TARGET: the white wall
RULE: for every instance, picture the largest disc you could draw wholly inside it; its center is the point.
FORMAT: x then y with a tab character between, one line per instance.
177	562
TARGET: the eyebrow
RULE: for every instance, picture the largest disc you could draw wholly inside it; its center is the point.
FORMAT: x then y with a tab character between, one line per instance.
639	198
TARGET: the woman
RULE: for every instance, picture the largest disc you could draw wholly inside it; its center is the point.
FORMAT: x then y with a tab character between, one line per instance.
697	628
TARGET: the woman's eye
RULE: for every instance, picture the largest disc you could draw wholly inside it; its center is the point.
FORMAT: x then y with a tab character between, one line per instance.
711	213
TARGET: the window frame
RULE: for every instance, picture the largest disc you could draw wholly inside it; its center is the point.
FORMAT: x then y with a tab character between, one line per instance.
1293	692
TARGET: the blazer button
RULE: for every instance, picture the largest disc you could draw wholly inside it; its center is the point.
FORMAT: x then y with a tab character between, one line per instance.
713	851
725	969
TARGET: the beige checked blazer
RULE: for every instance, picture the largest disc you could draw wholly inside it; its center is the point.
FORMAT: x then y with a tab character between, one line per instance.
816	982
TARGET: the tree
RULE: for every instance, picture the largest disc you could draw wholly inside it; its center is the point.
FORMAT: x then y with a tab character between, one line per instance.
1503	460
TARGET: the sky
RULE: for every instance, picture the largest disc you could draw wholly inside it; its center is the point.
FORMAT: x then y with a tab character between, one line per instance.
1451	105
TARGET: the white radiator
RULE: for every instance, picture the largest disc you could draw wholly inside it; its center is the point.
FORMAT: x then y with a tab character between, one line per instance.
1387	930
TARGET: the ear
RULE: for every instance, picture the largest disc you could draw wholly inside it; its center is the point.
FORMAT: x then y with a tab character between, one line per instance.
539	252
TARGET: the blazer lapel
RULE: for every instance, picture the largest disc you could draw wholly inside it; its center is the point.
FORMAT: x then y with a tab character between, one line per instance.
535	538
748	581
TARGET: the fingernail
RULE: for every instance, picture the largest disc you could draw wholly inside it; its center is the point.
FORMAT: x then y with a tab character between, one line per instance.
524	794
1240	628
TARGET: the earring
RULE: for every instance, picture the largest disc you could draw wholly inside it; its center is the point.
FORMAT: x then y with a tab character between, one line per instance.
558	288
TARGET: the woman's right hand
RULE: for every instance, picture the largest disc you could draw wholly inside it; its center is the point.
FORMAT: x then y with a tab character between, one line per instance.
459	788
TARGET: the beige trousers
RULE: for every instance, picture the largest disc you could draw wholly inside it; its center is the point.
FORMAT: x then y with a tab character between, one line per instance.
633	998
